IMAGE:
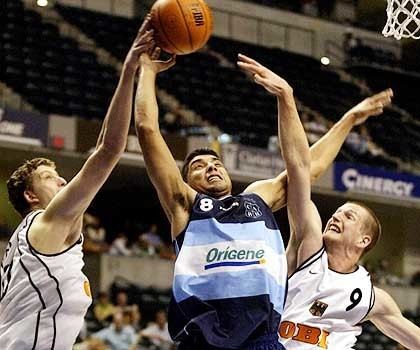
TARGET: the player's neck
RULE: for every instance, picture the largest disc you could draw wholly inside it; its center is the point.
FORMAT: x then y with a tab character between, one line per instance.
342	262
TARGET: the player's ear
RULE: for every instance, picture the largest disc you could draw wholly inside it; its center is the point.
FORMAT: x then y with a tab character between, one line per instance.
364	241
30	197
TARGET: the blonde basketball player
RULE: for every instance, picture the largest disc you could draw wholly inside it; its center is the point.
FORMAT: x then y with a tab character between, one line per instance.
44	295
329	293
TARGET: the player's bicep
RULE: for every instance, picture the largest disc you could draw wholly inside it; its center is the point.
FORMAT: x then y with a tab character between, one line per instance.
72	201
306	237
272	191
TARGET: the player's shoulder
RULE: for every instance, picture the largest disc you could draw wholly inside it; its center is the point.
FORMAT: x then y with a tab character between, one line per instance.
384	303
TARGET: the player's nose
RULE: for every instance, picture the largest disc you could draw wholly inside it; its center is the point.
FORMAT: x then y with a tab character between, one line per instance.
336	217
62	181
210	166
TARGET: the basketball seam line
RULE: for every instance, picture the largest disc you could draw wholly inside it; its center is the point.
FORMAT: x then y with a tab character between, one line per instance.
205	13
186	25
166	34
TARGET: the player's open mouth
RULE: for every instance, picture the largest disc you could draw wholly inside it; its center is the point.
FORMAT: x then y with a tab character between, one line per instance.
213	178
334	227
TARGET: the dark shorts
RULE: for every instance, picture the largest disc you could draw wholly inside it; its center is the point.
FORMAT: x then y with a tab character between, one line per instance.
266	342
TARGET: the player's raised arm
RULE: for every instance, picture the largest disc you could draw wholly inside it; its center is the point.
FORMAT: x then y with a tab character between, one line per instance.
387	316
303	216
326	149
67	207
174	194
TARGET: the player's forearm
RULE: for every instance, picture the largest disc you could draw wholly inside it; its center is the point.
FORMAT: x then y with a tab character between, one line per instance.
401	330
146	107
326	149
114	131
293	141
409	335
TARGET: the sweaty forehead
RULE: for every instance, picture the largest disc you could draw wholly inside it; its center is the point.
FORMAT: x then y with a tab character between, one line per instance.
353	207
45	168
203	158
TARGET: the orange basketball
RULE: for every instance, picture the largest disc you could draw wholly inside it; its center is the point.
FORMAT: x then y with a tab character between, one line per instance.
181	26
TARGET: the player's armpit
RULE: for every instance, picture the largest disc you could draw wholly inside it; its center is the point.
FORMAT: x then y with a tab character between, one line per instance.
272	191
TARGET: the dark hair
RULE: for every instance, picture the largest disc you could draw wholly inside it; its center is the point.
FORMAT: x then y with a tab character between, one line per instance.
373	227
21	180
191	156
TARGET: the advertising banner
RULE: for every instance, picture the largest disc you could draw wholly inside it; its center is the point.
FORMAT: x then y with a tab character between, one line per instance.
23	127
251	161
356	178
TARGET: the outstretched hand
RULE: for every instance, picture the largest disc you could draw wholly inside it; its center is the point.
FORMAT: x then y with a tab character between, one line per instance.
151	61
371	106
273	83
143	42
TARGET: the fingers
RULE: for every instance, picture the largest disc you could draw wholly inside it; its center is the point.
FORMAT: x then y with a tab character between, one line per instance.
250	67
165	65
170	62
377	111
145	25
145	31
143	47
262	81
246	59
144	43
155	53
384	96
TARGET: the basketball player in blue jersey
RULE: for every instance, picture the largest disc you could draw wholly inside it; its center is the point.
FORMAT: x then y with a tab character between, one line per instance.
329	293
230	274
43	293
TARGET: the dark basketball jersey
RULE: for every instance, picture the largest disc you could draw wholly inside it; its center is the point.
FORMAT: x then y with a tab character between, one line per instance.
230	274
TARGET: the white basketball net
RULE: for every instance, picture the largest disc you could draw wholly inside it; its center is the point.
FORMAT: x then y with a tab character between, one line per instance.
403	19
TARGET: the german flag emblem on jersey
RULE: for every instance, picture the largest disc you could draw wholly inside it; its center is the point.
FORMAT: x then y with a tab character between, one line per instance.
318	308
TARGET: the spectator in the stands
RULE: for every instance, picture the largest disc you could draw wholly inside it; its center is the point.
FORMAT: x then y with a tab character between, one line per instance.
94	234
152	239
120	245
117	335
103	309
309	8
156	333
357	143
385	276
122	305
91	344
140	247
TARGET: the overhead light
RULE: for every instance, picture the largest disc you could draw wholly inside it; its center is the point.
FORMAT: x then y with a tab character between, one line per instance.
42	3
325	61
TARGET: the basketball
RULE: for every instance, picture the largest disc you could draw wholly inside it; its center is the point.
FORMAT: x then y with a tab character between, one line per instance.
181	26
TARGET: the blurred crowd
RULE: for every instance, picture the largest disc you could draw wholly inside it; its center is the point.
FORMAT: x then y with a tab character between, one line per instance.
147	242
119	326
